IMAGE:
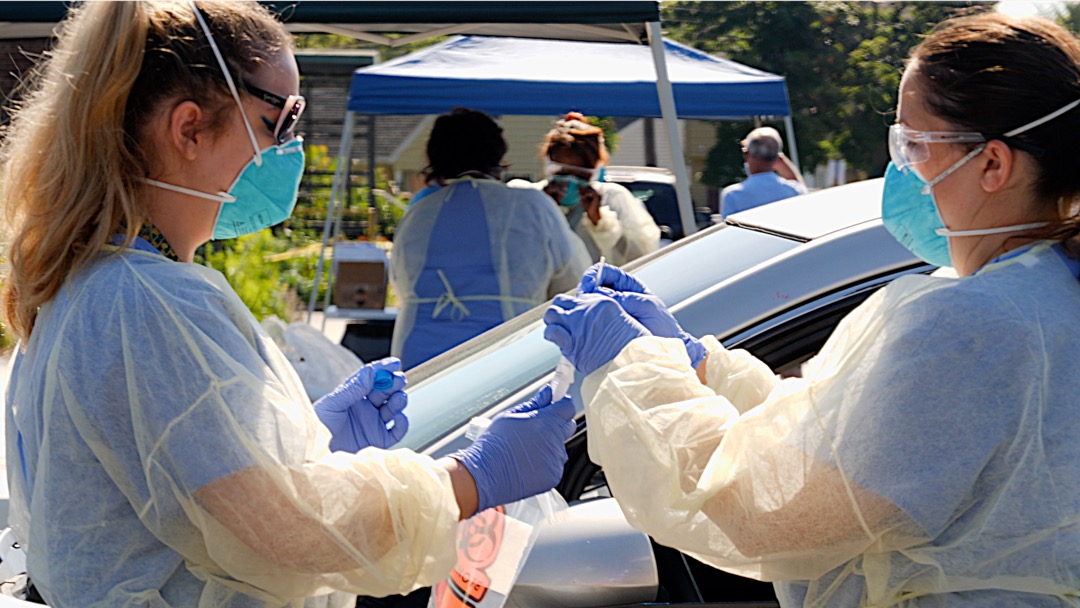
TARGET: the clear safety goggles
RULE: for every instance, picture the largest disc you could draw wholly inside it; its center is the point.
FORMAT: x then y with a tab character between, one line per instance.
552	169
909	147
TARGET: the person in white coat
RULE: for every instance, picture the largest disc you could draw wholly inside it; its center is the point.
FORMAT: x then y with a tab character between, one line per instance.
476	252
610	220
928	456
161	451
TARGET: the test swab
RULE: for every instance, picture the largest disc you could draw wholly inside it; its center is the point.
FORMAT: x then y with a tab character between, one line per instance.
564	371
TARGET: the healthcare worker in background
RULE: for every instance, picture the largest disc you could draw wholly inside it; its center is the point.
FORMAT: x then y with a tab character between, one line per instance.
929	455
474	253
611	221
161	449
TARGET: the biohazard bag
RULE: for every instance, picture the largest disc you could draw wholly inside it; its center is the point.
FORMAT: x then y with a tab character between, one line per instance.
492	546
321	364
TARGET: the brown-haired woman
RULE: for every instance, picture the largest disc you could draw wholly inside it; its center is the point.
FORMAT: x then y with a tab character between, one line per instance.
929	455
610	220
161	449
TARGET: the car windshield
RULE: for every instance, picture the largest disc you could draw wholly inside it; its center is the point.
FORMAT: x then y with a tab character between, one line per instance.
447	391
660	200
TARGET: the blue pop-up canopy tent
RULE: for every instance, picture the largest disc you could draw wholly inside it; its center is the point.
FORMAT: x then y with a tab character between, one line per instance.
547	77
509	75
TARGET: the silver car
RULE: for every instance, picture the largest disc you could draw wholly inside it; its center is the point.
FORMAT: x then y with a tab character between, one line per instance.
774	280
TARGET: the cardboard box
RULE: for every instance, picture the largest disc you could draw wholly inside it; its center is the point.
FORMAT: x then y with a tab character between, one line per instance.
360	276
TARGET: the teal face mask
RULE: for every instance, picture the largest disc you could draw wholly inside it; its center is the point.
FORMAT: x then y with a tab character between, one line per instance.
912	216
572	194
908	208
264	193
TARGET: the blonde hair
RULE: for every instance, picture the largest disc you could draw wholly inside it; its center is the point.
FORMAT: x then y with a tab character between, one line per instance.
75	147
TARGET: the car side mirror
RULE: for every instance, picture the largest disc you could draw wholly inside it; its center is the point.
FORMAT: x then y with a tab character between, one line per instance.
596	556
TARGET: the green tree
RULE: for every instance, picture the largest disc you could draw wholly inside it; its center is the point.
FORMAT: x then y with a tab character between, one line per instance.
242	261
611	133
1065	13
842	62
386	53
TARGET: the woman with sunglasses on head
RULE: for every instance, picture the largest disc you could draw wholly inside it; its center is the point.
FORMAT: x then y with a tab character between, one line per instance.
162	452
610	220
928	456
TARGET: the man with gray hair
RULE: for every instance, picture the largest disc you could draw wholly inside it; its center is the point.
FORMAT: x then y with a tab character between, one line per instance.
772	175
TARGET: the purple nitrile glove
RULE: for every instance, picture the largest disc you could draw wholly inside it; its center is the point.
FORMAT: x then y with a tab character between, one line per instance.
642	304
522	452
590	329
613	278
650	311
359	415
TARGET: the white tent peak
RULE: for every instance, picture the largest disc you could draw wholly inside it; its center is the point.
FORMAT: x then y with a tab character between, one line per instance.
500	58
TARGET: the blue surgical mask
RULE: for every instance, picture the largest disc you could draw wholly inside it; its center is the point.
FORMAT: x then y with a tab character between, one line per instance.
911	215
264	192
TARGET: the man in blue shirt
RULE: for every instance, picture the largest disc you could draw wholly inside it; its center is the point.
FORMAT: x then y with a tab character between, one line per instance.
772	175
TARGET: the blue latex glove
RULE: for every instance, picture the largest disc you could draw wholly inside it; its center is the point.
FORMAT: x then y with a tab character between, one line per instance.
358	415
642	304
613	278
590	329
522	453
650	311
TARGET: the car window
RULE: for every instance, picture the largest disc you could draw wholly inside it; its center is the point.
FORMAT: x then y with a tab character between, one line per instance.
661	201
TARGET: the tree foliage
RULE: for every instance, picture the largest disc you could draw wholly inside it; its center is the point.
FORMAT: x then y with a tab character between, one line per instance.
1065	13
338	41
842	62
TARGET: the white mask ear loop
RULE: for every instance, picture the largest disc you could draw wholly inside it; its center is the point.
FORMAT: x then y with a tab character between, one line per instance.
1002	229
228	79
947	172
985	231
221	197
978	231
1047	118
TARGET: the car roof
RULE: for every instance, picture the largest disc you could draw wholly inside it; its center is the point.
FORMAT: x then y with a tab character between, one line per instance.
620	173
816	214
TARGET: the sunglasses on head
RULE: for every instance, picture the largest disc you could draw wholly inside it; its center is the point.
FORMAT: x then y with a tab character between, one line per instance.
292	107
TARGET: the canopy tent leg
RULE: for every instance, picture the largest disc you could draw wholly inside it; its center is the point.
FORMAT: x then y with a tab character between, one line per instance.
793	151
667	108
372	161
340	176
